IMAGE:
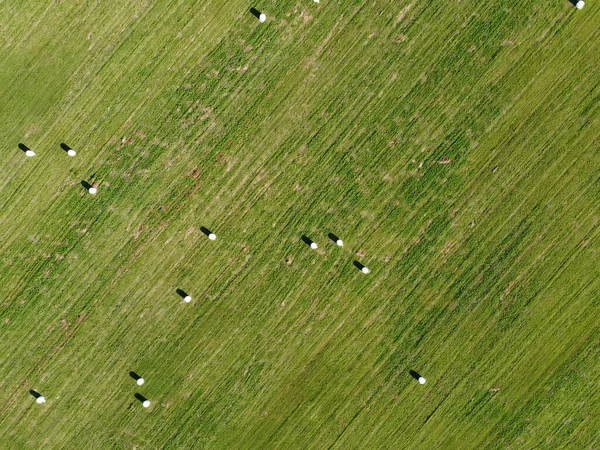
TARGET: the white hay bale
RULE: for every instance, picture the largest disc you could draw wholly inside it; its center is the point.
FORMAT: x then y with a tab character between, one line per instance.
422	380
212	236
580	4
71	152
41	399
139	381
262	17
29	153
146	403
365	269
93	190
187	298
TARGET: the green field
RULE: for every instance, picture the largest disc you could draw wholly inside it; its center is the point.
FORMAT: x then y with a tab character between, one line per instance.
452	145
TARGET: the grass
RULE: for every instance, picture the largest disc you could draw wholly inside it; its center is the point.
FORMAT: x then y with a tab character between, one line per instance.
453	146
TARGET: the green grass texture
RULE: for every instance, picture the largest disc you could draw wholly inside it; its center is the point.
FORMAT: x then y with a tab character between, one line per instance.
452	145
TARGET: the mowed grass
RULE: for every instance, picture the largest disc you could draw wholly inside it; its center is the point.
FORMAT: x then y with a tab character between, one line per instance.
453	146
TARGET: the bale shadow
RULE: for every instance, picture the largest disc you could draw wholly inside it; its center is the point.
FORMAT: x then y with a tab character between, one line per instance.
306	240
23	147
255	12
86	185
205	230
35	393
414	374
181	293
65	147
140	397
134	375
333	237
358	265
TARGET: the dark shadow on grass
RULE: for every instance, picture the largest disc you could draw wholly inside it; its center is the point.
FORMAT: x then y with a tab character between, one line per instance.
181	293
140	397
86	185
333	237
65	147
255	12
205	230
414	374
24	147
134	375
358	265
35	393
306	240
